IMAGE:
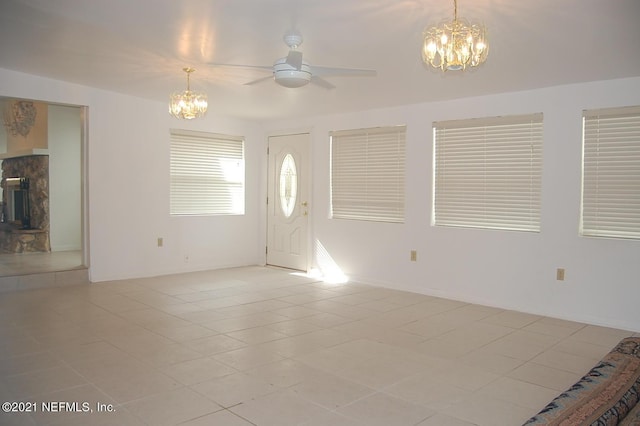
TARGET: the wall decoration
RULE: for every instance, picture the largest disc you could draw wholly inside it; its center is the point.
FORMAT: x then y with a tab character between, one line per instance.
19	117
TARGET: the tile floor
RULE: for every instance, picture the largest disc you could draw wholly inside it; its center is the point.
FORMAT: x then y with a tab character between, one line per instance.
35	263
262	346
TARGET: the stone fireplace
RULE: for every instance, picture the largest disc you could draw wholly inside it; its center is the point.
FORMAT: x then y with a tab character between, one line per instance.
24	224
31	235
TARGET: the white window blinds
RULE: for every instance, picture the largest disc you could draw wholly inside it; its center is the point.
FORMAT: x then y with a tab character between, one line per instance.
207	174
488	173
367	174
611	173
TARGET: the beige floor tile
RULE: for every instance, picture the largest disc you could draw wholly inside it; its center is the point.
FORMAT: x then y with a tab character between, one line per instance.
382	409
512	319
485	359
444	420
126	388
285	373
554	327
184	333
28	363
171	408
31	384
295	312
428	391
519	392
396	338
328	359
603	336
379	374
541	375
330	391
520	344
243	322
219	418
564	361
293	327
463	376
247	358
233	389
197	370
581	348
482	410
256	335
333	419
214	344
326	320
281	408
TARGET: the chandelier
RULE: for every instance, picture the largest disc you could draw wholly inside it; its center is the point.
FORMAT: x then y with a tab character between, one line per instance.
187	105
455	45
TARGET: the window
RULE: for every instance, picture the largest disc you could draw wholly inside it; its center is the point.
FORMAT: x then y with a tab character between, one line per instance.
207	174
367	174
611	173
488	173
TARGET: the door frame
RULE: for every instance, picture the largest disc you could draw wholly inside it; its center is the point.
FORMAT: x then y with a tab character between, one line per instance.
309	187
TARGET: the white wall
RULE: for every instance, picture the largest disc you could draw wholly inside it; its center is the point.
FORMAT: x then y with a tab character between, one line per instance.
128	205
512	270
128	186
65	178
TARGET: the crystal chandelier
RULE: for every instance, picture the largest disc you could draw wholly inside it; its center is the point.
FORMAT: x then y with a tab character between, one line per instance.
455	45
188	105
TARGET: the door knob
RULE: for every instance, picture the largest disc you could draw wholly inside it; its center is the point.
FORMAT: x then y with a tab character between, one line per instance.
304	204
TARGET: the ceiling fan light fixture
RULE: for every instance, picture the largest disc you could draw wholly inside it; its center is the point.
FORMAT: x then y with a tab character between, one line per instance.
455	45
287	76
188	104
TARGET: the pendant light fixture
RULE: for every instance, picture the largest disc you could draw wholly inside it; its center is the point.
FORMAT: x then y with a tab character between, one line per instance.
188	105
455	45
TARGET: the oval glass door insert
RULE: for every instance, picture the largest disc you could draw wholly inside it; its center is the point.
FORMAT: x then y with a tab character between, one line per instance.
288	185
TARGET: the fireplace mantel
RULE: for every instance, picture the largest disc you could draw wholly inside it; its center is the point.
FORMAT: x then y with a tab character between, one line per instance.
24	153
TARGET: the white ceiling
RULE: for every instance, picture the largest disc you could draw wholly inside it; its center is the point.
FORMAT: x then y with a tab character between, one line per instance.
140	47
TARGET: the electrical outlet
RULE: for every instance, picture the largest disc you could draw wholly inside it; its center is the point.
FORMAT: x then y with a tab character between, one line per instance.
560	274
160	241
414	255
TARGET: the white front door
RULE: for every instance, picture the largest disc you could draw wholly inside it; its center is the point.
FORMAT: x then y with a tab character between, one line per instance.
288	201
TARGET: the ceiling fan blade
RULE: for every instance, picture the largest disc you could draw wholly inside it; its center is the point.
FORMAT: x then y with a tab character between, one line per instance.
318	81
322	71
259	67
294	58
260	80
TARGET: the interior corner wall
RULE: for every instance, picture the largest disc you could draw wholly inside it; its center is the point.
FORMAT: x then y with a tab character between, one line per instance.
511	270
127	202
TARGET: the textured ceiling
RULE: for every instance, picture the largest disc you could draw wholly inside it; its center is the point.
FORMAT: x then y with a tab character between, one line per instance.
139	48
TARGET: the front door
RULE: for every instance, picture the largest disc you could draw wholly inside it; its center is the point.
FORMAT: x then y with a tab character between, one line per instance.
288	201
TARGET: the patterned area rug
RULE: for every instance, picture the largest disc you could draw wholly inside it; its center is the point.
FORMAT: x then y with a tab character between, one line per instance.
607	395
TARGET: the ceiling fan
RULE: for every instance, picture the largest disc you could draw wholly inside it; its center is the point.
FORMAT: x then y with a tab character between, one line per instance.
293	71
